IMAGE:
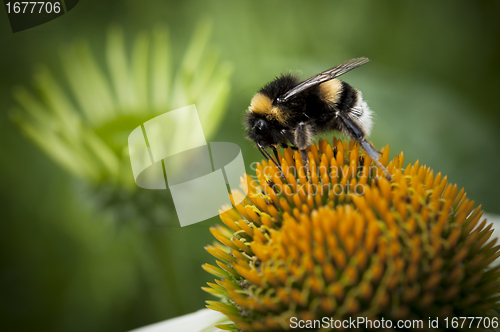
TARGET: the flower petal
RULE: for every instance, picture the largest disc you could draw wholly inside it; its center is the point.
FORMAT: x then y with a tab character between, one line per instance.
203	320
495	220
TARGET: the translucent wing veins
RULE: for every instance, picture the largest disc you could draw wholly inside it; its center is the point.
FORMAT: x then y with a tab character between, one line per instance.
323	77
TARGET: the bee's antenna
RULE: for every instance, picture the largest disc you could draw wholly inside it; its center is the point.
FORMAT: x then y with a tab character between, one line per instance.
268	156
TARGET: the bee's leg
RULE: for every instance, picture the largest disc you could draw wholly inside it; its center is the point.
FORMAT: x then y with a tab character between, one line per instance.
305	161
370	150
288	136
356	133
374	154
303	135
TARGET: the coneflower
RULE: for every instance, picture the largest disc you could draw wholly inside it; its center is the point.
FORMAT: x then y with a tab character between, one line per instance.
349	243
82	120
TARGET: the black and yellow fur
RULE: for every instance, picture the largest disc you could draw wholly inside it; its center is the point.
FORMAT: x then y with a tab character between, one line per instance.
286	111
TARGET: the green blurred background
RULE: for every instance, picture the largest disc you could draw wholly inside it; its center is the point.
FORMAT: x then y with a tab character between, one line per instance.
68	265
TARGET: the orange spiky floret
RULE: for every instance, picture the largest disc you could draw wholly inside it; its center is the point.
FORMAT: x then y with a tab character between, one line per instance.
348	242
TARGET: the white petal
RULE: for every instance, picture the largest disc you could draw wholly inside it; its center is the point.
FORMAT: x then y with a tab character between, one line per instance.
203	320
495	220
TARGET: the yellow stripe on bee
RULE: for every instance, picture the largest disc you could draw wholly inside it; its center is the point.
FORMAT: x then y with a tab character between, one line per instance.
260	104
330	91
263	105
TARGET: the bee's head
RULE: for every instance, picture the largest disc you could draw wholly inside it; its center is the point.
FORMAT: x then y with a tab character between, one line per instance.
261	130
261	126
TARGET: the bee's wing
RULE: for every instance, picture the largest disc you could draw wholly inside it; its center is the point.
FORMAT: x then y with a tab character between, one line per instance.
324	76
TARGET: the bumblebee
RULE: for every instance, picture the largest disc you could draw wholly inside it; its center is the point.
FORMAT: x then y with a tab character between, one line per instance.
286	111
